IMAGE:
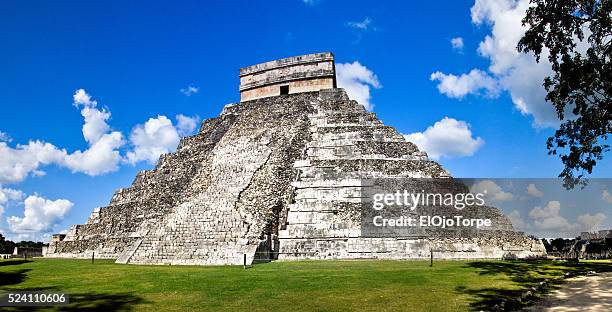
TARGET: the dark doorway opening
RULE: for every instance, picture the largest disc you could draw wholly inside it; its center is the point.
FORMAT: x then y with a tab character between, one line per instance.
284	90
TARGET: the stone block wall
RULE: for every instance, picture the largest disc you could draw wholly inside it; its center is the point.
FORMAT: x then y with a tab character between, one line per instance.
348	149
304	73
279	177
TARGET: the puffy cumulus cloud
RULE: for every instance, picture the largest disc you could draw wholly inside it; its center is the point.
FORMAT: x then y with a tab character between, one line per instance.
185	124
8	194
550	210
104	152
81	97
39	215
474	82
447	138
517	73
517	221
4	137
534	191
457	43
19	162
157	136
547	221
95	125
491	190
591	222
547	218
102	155
606	196
357	80
189	90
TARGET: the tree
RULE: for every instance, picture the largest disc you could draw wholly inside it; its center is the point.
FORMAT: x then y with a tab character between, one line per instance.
30	244
6	246
559	244
582	80
547	245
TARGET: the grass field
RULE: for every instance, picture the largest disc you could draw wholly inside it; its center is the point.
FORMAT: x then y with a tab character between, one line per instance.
290	286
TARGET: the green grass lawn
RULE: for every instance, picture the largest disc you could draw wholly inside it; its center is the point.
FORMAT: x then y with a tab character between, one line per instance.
289	286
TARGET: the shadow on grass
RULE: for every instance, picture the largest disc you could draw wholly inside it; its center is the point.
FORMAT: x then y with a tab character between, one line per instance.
77	301
102	302
14	262
12	278
533	279
90	302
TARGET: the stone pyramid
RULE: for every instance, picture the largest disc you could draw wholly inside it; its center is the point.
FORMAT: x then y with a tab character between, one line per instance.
280	176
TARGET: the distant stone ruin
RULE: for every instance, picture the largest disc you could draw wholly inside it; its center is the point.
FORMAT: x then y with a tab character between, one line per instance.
602	234
280	175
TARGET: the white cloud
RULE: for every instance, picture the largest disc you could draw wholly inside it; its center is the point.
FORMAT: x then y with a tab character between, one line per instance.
8	194
101	157
19	162
591	222
157	136
606	196
517	73
95	125
4	137
474	82
533	191
103	154
185	124
550	210
457	43
517	221
547	218
357	79
491	190
40	215
447	138
81	97
190	90
547	221
361	25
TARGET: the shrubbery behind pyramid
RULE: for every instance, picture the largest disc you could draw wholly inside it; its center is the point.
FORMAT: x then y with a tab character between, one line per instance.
278	176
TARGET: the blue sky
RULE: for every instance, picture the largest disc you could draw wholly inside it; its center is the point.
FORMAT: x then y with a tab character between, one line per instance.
133	59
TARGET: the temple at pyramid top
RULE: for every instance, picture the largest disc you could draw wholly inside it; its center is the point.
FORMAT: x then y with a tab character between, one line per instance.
304	73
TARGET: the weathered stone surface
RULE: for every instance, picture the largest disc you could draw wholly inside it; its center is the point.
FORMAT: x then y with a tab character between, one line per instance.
284	177
297	74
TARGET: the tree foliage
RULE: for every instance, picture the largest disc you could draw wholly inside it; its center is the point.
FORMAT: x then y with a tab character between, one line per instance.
6	246
582	79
